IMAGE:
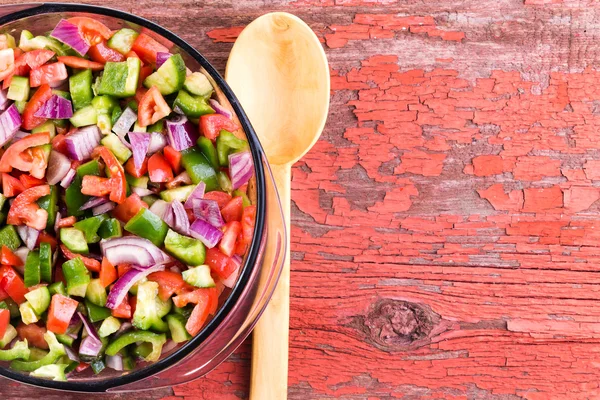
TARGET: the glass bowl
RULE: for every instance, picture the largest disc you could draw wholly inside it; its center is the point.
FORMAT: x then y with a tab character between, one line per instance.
239	309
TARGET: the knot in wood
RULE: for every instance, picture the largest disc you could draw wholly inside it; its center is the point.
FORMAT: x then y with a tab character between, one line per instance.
393	325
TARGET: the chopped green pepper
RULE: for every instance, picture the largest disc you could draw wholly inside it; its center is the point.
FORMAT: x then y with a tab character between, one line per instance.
192	106
199	168
110	228
73	196
19	350
228	143
157	341
210	152
96	313
90	226
56	372
148	225
49	203
10	305
80	86
57	350
186	249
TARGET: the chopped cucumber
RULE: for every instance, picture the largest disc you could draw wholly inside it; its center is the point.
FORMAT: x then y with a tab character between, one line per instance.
109	326
39	299
96	293
122	40
47	126
114	144
169	78
19	88
84	116
197	83
177	194
199	276
32	273
9	336
28	315
74	239
80	86
77	277
120	79
176	324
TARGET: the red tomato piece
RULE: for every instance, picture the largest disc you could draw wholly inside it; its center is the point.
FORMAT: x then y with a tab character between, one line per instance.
131	170
93	185
66	222
48	74
169	282
60	313
80	63
145	72
29	181
41	96
108	273
101	53
116	185
221	198
122	269
173	157
219	263
13	284
233	210
34	335
24	209
211	125
248	221
4	321
147	48
152	107
11	186
37	58
93	31
159	169
7	257
230	235
123	310
126	210
19	155
90	263
45	237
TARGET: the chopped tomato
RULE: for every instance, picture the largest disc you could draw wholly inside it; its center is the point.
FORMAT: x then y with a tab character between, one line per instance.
173	157
45	237
213	296
145	72
60	313
126	210
19	155
147	48
59	144
195	296
219	263
181	179
116	184
140	93
169	283
108	273
248	221
82	367
159	169
206	300
221	198
11	186
66	222
7	257
29	181
101	53
197	319
7	63
93	31
138	173
211	125
13	284
80	63
240	245
132	303
34	335
122	269
39	162
3	295
159	38
24	209
48	74
123	310
152	107
230	235
37	58
38	99
90	263
4	320
59	276
233	210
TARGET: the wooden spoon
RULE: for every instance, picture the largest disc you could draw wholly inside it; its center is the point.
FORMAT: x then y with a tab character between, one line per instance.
278	71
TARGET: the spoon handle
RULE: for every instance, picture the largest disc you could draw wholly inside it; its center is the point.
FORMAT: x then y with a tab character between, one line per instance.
271	334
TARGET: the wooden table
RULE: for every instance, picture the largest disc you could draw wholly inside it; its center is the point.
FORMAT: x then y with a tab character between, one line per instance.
445	228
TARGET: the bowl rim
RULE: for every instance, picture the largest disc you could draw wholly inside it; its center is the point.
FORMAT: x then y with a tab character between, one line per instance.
254	251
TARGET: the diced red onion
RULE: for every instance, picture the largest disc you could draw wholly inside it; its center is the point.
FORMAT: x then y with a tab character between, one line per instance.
68	179
140	141
115	362
141	191
82	142
241	168
161	57
176	217
206	233
125	282
220	109
70	35
197	193
91	345
4	100
125	122
158	141
159	207
56	107
182	133
56	221
232	279
10	122
93	202
103	208
58	167
71	354
28	235
208	210
133	250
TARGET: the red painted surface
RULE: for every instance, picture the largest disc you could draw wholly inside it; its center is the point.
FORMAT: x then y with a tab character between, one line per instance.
445	238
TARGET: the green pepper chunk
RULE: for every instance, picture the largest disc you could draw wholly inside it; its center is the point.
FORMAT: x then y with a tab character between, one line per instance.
57	287
199	168
19	350
57	350
158	126
95	312
49	203
148	225
32	274
209	151
10	305
56	372
228	143
245	200
157	341
186	249
192	106
9	237
110	228
73	196
90	226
